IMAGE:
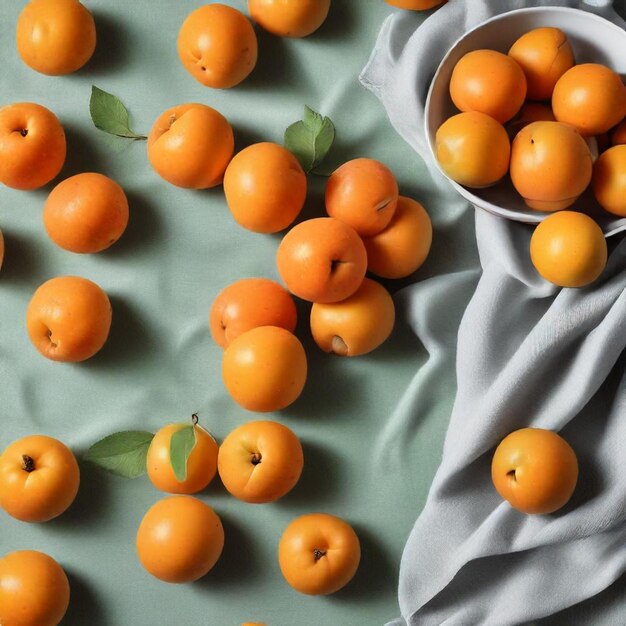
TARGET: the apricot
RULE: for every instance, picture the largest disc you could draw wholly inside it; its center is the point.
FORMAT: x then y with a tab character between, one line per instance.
363	193
179	539
68	318
32	145
568	249
289	18
535	470
260	461
55	36
201	463
590	97
217	45
318	554
190	146
34	589
473	149
544	54
618	134
551	165
39	478
265	369
247	304
403	246
416	5
356	325
265	187
529	113
609	180
488	82
322	260
86	213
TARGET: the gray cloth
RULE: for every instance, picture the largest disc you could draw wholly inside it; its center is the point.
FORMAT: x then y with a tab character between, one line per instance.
528	354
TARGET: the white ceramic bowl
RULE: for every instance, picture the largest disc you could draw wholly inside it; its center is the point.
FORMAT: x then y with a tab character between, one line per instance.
594	40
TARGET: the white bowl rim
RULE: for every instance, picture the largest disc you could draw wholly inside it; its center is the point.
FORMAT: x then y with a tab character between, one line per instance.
464	191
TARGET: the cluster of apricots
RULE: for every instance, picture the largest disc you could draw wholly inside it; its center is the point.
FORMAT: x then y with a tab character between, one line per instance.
68	318
322	260
561	116
181	538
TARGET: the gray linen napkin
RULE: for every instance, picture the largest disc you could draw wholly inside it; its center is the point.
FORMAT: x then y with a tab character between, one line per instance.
528	354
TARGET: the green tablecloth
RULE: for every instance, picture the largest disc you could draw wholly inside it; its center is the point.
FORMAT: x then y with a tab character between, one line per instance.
160	365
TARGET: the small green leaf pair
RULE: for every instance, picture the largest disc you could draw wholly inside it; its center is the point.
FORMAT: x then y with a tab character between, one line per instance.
125	453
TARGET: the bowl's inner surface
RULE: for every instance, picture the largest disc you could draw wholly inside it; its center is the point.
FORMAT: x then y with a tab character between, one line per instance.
593	39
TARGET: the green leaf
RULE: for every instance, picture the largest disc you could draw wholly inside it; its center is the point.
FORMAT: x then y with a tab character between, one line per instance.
182	443
310	139
110	115
122	453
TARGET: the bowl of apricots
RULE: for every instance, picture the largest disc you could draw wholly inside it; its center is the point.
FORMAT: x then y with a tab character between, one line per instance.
525	110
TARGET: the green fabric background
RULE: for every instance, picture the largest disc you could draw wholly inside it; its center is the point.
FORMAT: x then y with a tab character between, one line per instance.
160	365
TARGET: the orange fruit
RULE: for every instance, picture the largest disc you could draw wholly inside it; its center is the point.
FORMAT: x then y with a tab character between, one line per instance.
363	193
86	213
318	554
265	187
544	54
289	18
260	461
590	97
179	539
356	325
39	478
618	134
568	249
190	146
402	247
473	149
535	470
488	82
55	36
551	165
264	369
68	318
322	260
217	45
201	462
529	113
34	590
609	180
32	145
247	304
416	5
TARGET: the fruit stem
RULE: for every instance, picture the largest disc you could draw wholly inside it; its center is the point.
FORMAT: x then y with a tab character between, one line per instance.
256	458
28	463
318	554
511	474
194	419
23	132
